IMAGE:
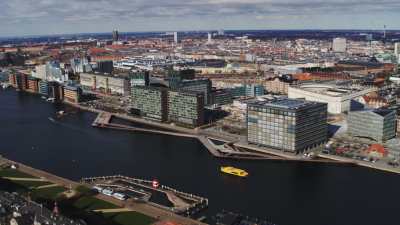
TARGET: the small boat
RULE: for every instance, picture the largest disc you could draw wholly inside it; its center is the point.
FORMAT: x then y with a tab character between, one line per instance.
52	119
234	171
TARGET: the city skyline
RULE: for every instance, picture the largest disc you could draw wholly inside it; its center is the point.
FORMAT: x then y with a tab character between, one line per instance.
47	17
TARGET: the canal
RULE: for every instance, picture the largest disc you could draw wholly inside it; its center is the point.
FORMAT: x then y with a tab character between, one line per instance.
286	193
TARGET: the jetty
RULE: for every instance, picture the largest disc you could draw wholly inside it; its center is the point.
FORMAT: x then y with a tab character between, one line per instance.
183	203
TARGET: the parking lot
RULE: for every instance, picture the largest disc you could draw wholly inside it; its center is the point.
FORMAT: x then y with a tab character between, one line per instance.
361	149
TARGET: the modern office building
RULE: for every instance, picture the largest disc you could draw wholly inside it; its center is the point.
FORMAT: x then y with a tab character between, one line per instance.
43	87
209	38
80	65
221	97
397	49
248	90
397	52
40	72
238	91
72	94
105	83
51	71
291	125
150	102
339	45
185	80
115	35
197	85
12	79
254	90
20	81
33	85
377	124
140	78
186	107
56	91
176	40
176	76
105	66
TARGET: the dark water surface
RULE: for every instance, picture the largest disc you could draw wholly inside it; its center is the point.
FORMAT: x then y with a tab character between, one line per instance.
286	193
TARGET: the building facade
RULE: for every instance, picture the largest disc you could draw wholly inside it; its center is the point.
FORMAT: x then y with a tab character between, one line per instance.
287	124
150	102
254	90
43	87
140	78
72	94
277	86
186	107
222	97
377	124
105	83
339	45
33	85
339	99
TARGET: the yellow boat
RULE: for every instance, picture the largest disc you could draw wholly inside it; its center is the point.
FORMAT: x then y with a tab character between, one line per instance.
234	171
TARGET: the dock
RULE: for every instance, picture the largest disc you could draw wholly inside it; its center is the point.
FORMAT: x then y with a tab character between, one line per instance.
183	203
228	150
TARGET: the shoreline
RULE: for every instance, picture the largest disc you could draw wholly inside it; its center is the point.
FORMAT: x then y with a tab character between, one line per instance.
198	134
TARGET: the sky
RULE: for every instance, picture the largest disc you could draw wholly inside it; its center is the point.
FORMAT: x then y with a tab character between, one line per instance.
39	17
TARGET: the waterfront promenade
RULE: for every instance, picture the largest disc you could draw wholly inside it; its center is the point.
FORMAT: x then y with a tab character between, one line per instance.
262	153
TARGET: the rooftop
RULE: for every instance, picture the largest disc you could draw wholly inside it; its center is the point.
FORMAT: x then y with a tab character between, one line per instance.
380	112
286	103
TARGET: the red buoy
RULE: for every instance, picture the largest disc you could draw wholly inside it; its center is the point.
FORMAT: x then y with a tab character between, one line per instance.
155	184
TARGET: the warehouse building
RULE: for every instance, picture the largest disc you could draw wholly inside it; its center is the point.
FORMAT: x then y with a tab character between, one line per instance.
340	98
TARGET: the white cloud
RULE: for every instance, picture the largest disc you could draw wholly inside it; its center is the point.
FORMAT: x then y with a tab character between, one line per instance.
161	13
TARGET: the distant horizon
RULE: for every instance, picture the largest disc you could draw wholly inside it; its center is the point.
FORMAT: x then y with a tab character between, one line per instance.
191	31
49	17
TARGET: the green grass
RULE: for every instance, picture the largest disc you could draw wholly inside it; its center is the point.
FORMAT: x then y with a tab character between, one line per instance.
92	203
50	193
14	173
31	184
130	218
85	191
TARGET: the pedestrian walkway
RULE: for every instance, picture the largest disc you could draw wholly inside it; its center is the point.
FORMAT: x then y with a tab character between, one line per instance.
47	186
113	210
24	179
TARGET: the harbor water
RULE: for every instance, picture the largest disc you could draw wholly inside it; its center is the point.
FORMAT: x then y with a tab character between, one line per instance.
286	193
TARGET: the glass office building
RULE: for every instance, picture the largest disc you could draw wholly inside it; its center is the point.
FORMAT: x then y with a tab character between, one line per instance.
186	107
150	102
291	125
377	124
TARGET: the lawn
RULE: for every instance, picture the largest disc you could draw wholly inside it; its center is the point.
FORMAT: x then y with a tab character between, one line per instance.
14	173
130	218
92	203
31	184
83	190
47	193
